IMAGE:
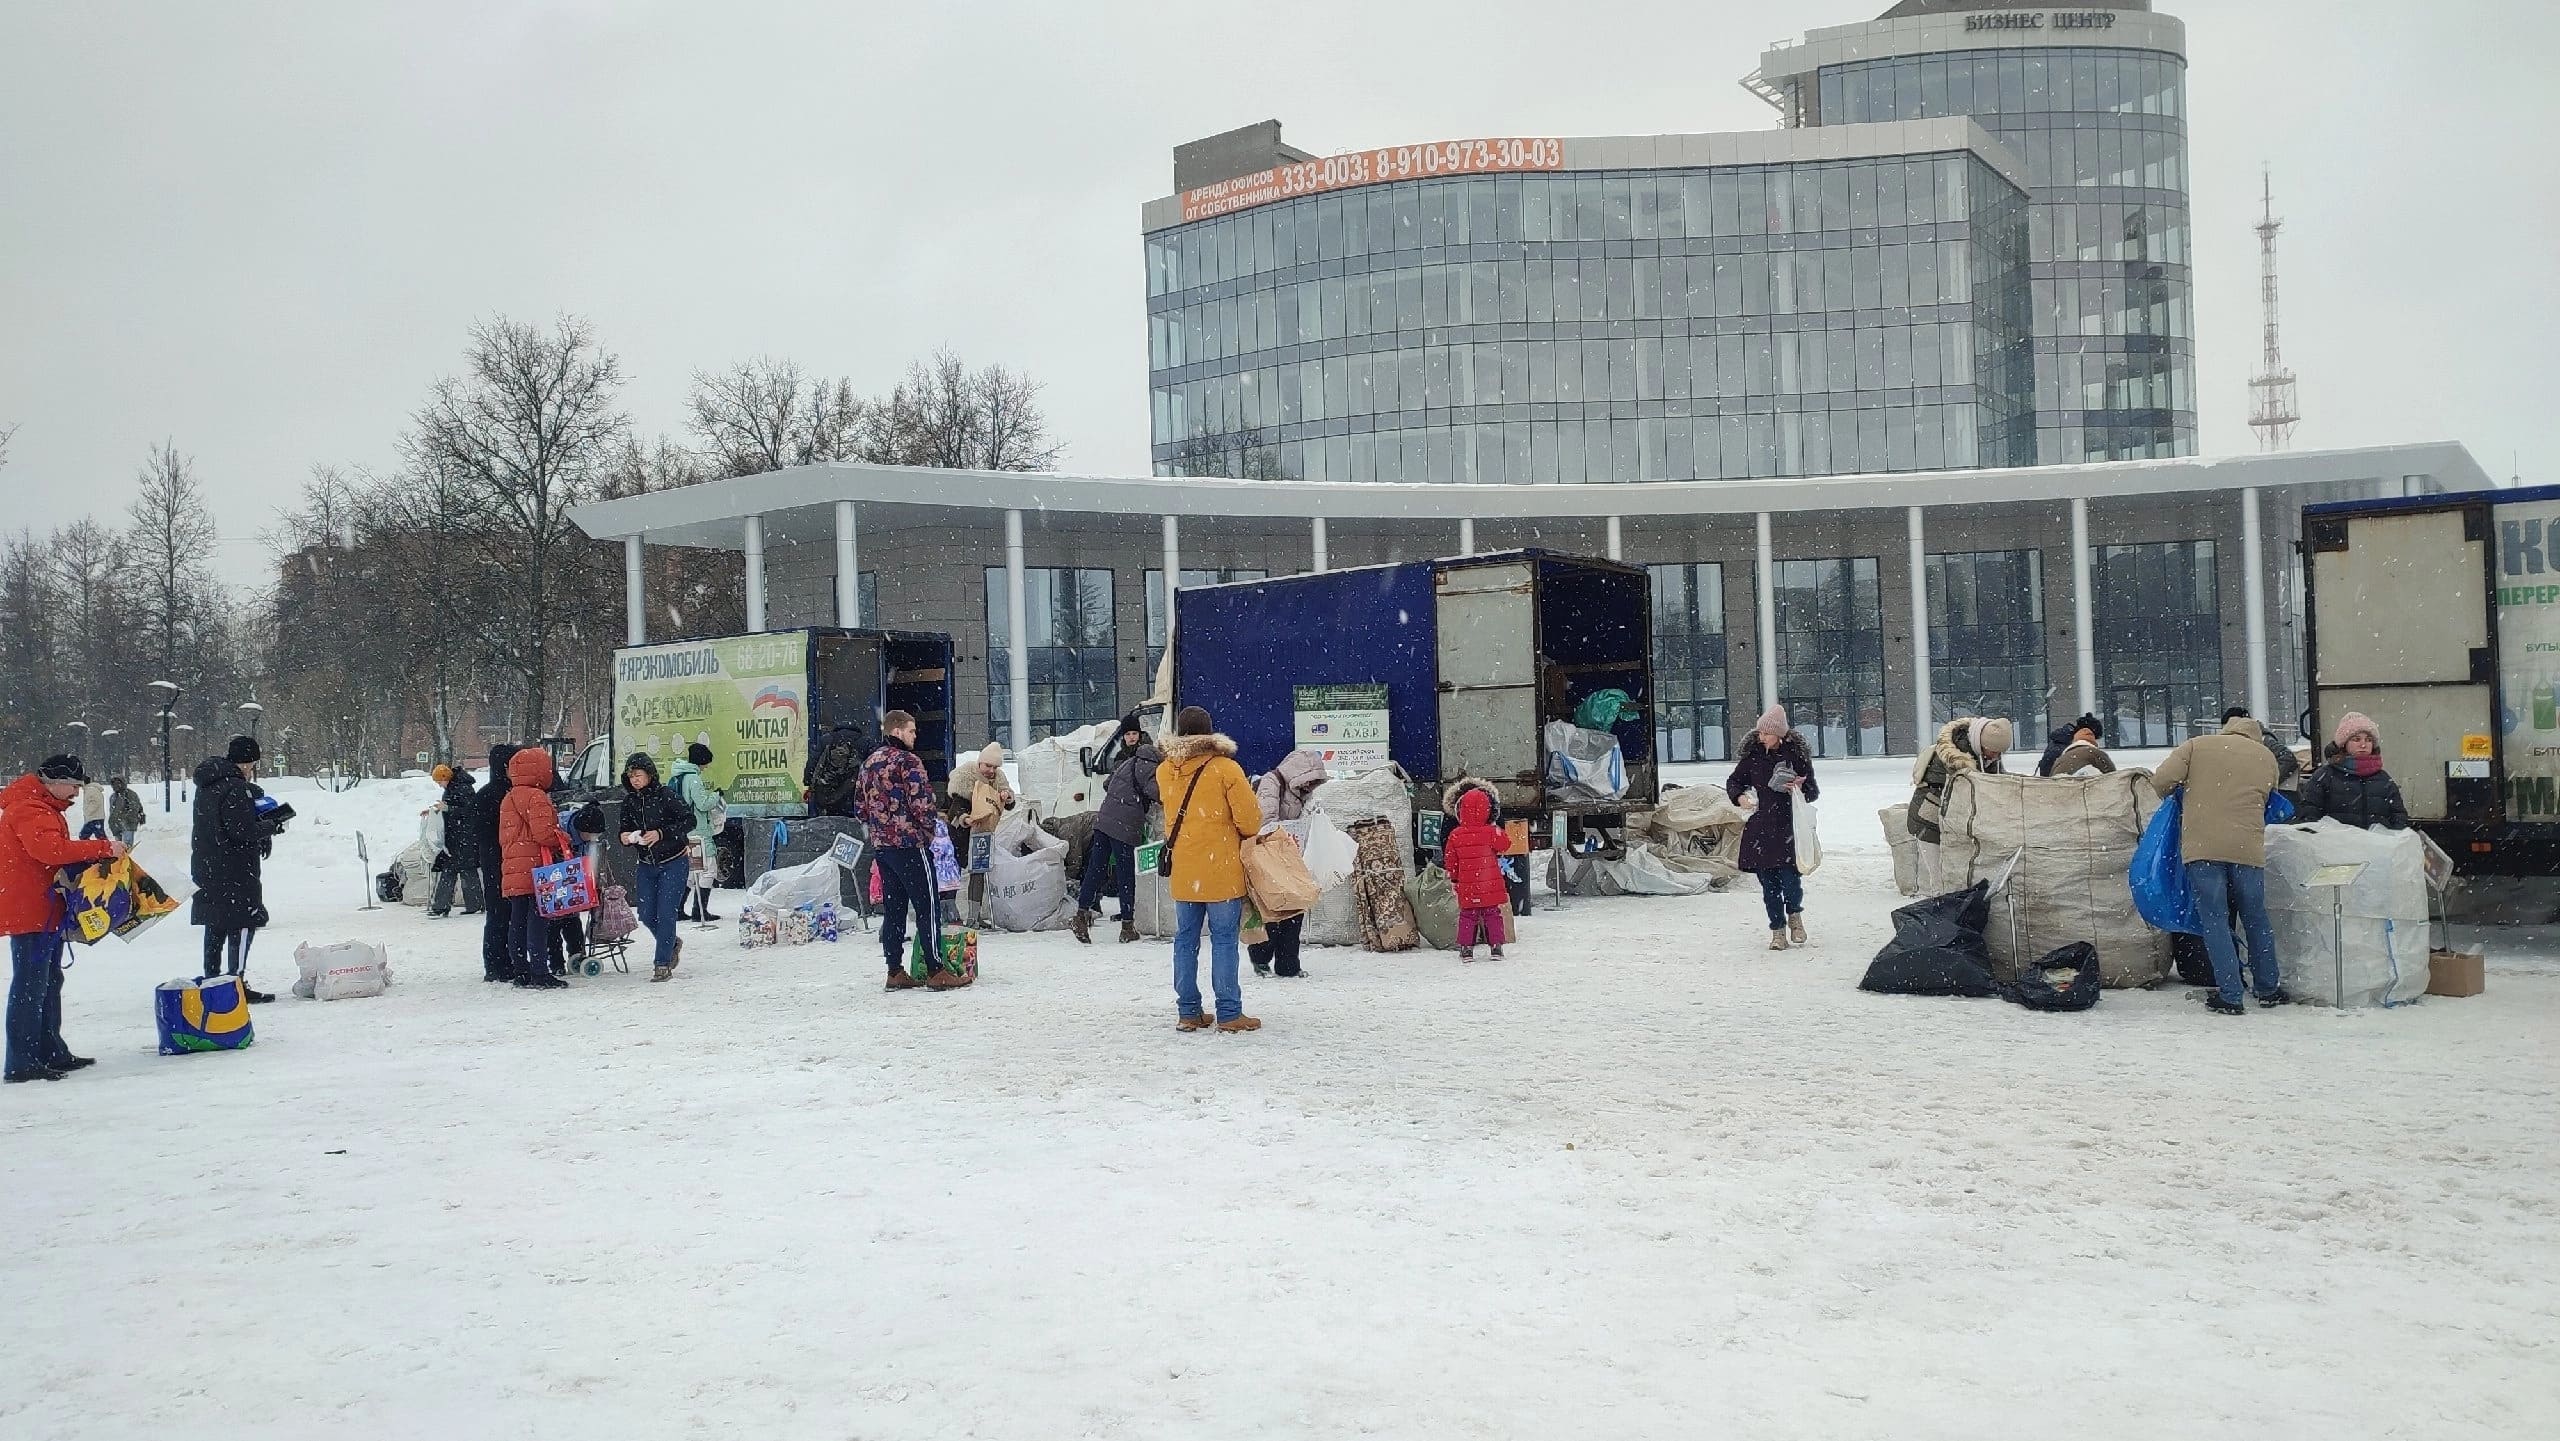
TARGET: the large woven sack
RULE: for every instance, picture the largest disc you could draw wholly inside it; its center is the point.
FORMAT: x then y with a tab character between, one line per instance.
1027	878
1906	847
2072	839
1386	793
2360	944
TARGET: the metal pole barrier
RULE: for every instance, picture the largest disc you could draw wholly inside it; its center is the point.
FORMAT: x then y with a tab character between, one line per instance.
365	860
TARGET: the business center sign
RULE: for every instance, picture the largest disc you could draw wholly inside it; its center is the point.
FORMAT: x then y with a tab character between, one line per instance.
2042	20
1371	167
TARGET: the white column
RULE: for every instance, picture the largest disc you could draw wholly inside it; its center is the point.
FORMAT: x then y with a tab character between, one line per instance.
1318	540
1018	620
635	598
1467	536
1617	540
2084	607
755	572
1172	563
848	568
1768	618
1923	724
2253	596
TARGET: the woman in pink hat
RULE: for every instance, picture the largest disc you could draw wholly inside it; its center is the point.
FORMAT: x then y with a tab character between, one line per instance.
2353	787
1776	768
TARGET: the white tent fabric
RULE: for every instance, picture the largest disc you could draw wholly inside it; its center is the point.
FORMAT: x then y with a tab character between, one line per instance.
2366	940
2073	838
1050	777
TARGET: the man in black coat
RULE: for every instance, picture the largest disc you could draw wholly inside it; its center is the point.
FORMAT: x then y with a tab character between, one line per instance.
495	963
462	848
233	835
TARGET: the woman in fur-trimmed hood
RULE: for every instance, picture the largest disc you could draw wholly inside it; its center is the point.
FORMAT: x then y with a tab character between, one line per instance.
1209	813
1964	744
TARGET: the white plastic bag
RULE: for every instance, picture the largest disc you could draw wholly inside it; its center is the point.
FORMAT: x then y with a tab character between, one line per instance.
1808	839
346	970
1381	792
1027	878
1330	855
796	886
1584	764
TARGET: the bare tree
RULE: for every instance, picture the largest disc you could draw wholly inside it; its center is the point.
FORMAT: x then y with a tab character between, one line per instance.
762	415
7	433
171	536
527	430
944	414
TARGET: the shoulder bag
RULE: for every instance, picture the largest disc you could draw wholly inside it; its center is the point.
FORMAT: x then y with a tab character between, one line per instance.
1164	856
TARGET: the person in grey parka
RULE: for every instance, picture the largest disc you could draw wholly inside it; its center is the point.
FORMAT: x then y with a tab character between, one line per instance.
1121	823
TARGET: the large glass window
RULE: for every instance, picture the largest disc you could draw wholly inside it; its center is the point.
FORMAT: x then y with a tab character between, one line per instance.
2159	642
1986	638
1689	662
1073	651
1159	620
1830	620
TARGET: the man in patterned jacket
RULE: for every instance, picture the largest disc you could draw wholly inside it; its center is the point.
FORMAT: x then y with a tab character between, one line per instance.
894	798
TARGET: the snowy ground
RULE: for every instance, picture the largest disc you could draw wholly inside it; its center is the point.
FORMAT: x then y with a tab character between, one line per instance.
1645	1179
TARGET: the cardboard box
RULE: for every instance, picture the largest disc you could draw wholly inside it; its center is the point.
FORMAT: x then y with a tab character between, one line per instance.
2456	973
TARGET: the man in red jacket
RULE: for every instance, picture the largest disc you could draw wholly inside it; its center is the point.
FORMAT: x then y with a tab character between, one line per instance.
35	842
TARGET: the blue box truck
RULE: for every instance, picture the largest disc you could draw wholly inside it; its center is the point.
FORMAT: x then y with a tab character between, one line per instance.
1475	655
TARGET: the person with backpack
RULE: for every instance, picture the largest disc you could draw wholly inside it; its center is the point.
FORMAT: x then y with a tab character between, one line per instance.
710	816
831	783
125	812
36	843
657	825
2353	788
1111	858
894	799
1205	832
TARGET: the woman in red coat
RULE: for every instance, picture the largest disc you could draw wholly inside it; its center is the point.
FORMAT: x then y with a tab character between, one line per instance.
528	836
1473	853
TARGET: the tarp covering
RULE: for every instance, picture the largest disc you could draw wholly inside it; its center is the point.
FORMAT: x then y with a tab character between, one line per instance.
2380	915
2073	838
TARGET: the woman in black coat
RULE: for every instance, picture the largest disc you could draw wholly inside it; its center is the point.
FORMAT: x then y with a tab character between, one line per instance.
2353	788
1769	837
231	842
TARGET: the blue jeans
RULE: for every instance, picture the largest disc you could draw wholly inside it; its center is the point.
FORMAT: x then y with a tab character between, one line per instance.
35	1002
661	901
1224	919
906	884
2218	884
1109	863
1782	891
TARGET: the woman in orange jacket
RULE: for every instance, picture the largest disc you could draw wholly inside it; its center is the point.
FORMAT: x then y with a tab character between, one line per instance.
1210	812
528	836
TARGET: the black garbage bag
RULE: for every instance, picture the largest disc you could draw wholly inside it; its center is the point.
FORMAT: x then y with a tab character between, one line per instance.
2195	963
1937	948
2066	980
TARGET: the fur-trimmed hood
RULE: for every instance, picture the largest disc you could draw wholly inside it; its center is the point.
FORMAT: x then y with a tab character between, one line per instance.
1178	749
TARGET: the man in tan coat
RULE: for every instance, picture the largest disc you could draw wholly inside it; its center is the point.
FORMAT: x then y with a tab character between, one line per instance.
2222	837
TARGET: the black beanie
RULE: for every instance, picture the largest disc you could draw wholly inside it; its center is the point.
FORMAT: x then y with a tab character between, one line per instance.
62	768
243	752
698	753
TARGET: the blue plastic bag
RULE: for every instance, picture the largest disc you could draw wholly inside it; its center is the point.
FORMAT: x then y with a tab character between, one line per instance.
2279	809
2159	874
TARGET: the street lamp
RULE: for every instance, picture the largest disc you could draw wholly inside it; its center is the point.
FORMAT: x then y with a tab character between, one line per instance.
186	732
168	701
252	710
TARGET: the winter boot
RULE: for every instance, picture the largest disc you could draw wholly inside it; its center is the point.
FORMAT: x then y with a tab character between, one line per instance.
1795	928
1777	940
69	1062
1192	1023
2220	1007
2277	997
543	981
1466	953
945	981
256	998
1262	968
1083	928
1495	953
1128	932
1239	1025
660	973
899	980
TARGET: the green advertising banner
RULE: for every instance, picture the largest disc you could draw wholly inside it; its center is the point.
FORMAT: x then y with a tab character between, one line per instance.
746	697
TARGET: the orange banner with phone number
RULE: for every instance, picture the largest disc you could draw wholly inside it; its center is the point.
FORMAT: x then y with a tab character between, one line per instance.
1372	167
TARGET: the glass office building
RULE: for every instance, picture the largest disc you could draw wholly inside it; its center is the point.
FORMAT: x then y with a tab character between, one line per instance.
2093	103
1603	322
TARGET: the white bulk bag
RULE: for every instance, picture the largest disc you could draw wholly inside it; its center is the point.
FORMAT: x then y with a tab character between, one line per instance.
343	971
1027	878
1906	847
1385	791
2367	939
1584	764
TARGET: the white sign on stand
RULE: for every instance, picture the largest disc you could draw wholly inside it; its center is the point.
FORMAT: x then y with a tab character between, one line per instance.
2335	879
1347	724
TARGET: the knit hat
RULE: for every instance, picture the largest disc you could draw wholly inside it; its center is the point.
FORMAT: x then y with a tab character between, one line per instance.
443	775
1992	737
698	753
243	751
2352	722
1773	721
2089	724
62	768
993	755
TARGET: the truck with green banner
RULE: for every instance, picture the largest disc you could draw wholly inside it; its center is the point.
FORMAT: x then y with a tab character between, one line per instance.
2439	617
762	702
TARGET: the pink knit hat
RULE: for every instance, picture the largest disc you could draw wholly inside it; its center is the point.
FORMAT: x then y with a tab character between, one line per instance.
1773	721
2352	722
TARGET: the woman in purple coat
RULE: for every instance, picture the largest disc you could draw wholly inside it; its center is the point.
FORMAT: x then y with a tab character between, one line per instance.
1776	767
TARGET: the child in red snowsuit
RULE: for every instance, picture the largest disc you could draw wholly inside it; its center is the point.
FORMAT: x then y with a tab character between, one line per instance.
1473	853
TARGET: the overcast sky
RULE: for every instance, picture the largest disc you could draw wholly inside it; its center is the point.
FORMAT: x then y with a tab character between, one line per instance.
262	229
